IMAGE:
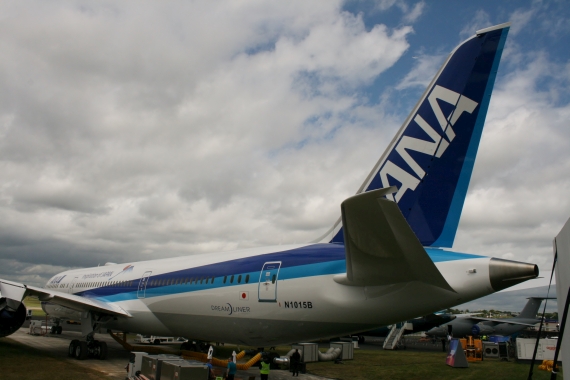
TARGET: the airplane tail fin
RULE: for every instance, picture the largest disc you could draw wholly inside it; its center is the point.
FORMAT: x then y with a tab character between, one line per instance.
431	158
530	310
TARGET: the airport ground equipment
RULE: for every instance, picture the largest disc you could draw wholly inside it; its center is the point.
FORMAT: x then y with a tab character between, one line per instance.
355	341
309	352
393	339
347	350
39	327
333	353
473	349
490	350
135	363
152	364
184	370
525	348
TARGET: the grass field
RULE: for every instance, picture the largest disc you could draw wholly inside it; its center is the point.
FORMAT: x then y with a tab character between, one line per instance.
34	304
410	365
18	361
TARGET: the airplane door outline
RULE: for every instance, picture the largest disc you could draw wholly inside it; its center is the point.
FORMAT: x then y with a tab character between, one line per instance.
267	290
141	292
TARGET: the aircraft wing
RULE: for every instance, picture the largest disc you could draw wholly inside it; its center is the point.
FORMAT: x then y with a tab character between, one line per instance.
15	293
381	248
499	321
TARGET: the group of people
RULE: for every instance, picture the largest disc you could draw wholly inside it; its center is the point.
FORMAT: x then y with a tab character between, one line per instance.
264	367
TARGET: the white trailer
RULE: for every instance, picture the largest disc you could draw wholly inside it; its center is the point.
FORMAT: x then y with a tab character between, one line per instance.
545	351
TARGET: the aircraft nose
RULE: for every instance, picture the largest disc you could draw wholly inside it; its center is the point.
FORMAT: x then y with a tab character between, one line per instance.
506	273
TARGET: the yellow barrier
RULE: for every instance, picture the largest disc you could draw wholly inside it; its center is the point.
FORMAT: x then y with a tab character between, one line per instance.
221	363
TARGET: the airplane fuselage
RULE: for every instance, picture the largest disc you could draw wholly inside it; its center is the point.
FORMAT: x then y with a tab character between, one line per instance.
265	296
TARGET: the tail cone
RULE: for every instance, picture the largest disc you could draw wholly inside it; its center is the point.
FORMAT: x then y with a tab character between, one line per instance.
506	273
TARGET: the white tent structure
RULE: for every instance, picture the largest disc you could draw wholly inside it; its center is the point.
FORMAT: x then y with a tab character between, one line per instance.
562	272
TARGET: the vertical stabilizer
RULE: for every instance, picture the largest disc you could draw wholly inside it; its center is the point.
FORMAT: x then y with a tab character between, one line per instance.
530	310
431	158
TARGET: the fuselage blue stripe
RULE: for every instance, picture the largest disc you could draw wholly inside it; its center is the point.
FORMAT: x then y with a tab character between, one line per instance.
309	261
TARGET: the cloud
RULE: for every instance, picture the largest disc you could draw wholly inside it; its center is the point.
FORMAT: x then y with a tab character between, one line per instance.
415	13
410	13
424	69
480	20
212	130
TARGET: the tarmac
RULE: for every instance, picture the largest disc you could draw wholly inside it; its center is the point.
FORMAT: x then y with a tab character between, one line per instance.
117	358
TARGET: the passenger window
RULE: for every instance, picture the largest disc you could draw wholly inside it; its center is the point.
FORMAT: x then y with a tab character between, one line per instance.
247	279
225	278
239	279
273	279
201	280
232	279
212	280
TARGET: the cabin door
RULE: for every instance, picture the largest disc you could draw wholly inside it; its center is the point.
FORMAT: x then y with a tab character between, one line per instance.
268	281
142	284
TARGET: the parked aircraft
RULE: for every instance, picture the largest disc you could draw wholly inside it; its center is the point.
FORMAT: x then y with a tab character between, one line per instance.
381	263
463	326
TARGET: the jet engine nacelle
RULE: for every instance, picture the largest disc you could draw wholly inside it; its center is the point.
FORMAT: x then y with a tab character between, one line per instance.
479	329
10	320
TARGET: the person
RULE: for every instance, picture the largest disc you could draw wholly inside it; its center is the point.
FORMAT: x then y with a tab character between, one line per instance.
232	369
210	369
295	360
264	368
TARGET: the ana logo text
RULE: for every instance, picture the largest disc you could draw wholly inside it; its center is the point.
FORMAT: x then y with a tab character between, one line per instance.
57	280
436	147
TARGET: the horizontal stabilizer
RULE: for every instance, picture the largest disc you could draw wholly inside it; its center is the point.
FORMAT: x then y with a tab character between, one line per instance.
381	248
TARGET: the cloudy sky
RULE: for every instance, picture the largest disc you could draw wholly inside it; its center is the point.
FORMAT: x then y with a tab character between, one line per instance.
137	130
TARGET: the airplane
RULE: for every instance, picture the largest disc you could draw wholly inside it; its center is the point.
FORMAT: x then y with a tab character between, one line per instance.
463	326
382	262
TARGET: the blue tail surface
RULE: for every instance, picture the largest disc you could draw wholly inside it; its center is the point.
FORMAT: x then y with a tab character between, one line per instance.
431	158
